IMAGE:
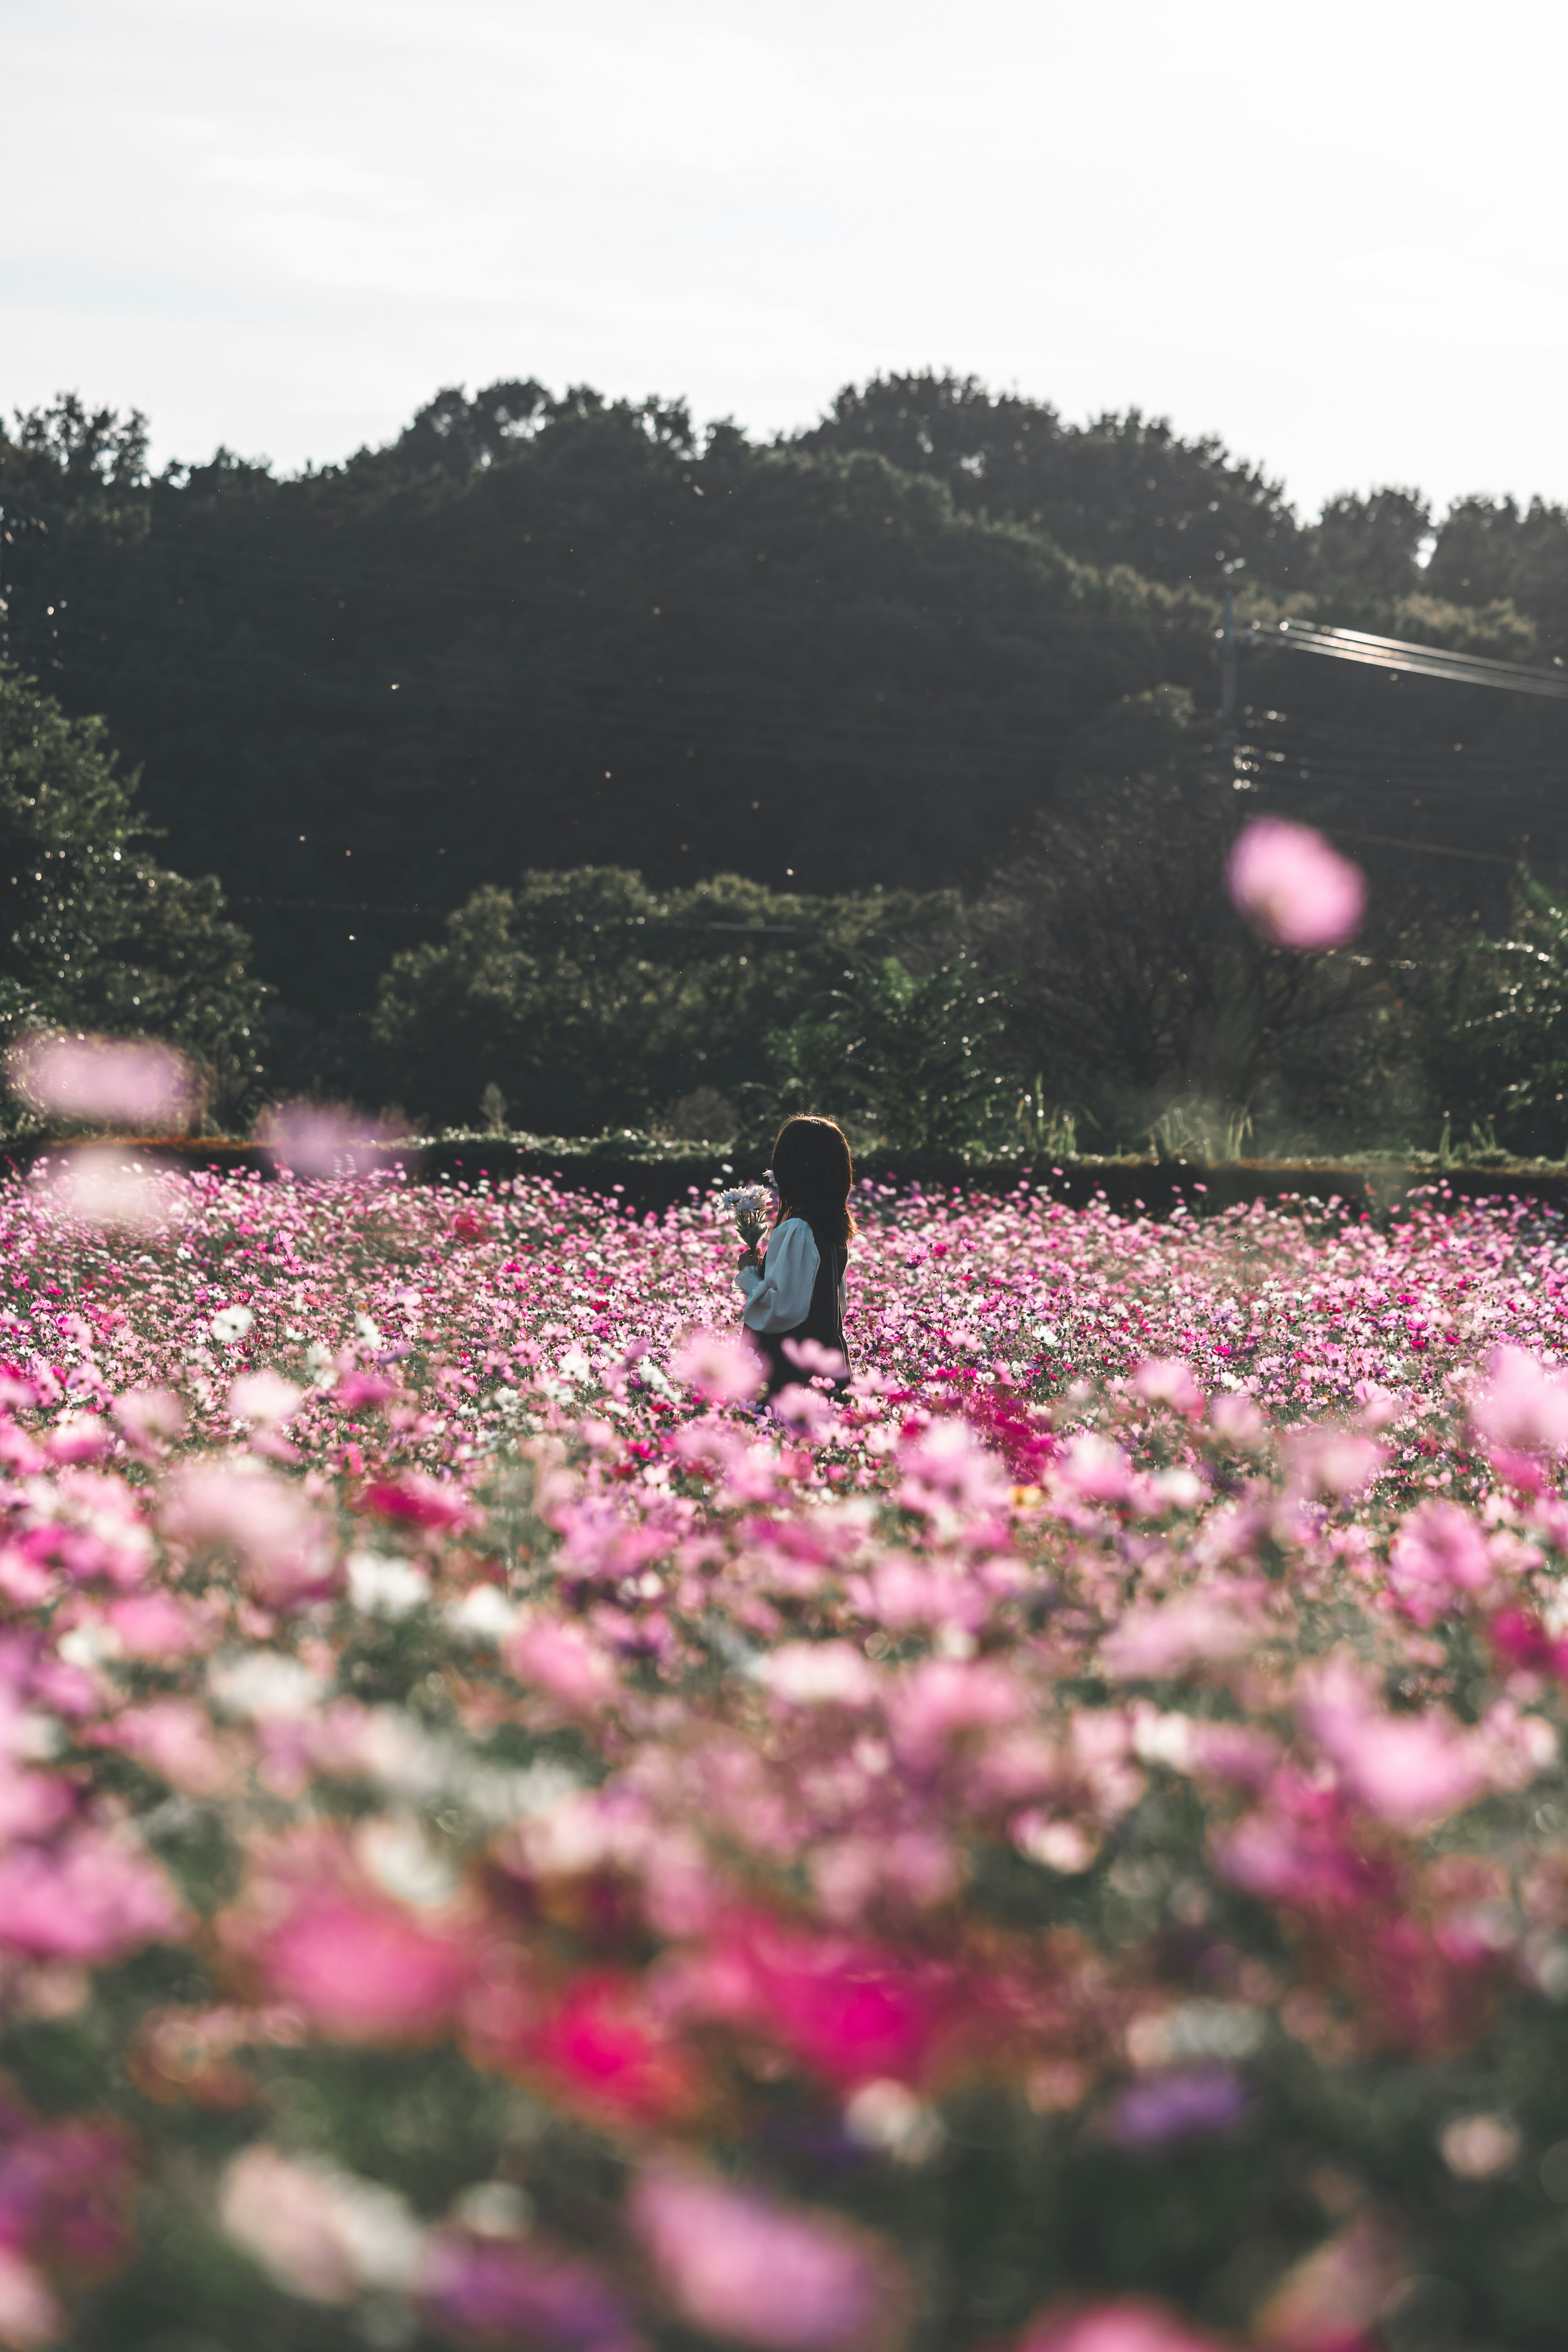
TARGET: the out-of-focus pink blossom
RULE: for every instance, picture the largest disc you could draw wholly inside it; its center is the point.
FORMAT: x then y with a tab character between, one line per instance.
1168	1380
600	2045
1293	886
1128	2324
150	1416
264	1397
421	1501
318	1138
738	2264
29	2314
1520	1406
850	2009
1439	1555
95	1895
362	1967
810	1357
820	1674
1173	1637
102	1081
1332	2299
282	1542
720	1366
1412	1772
562	1661
104	1187
1332	1462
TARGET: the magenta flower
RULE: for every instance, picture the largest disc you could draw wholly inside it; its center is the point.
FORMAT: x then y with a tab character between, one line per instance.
1293	886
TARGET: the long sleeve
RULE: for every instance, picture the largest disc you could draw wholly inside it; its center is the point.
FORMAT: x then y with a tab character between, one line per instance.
779	1298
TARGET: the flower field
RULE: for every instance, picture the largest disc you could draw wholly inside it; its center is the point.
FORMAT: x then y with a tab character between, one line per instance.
501	1844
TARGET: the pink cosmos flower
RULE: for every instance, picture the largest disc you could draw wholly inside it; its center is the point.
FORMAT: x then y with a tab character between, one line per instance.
1293	886
362	1967
739	2264
1412	1772
719	1366
1521	1407
102	1081
282	1542
606	2051
1439	1555
94	1897
265	1397
1329	1461
423	1501
1171	1637
1168	1380
562	1661
1127	2325
159	1625
317	1139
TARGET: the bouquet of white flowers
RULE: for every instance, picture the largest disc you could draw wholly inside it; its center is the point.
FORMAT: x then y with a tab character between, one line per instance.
753	1207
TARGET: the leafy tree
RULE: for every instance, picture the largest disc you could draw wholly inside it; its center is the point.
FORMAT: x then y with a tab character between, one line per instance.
906	1060
587	999
1134	987
1496	1026
1371	541
1121	489
93	932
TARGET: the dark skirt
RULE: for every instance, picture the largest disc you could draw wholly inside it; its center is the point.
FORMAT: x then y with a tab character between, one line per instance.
824	1323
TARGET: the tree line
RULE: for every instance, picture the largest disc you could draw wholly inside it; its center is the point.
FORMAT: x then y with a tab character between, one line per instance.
1097	989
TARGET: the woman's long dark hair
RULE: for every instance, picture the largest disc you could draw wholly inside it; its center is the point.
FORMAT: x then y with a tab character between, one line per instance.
814	1172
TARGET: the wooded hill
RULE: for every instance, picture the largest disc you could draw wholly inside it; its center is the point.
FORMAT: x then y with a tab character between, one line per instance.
536	631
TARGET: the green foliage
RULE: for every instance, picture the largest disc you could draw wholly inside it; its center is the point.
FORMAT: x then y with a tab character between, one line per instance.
1497	1023
1137	992
909	1061
93	932
586	998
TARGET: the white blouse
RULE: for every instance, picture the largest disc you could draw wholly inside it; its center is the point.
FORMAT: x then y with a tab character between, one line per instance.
779	1298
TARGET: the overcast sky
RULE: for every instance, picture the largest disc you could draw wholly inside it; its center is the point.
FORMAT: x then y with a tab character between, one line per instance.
1335	236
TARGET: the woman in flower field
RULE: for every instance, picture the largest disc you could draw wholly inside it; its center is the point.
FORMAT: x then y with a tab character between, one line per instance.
1057	1846
794	1289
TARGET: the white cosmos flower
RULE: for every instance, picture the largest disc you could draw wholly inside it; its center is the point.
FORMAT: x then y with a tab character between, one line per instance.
231	1323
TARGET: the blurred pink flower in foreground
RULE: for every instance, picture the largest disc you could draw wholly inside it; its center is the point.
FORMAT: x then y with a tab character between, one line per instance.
1293	886
1412	1770
315	1139
1522	1407
102	1081
359	1965
719	1366
738	2263
1129	2325
102	1187
280	1540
